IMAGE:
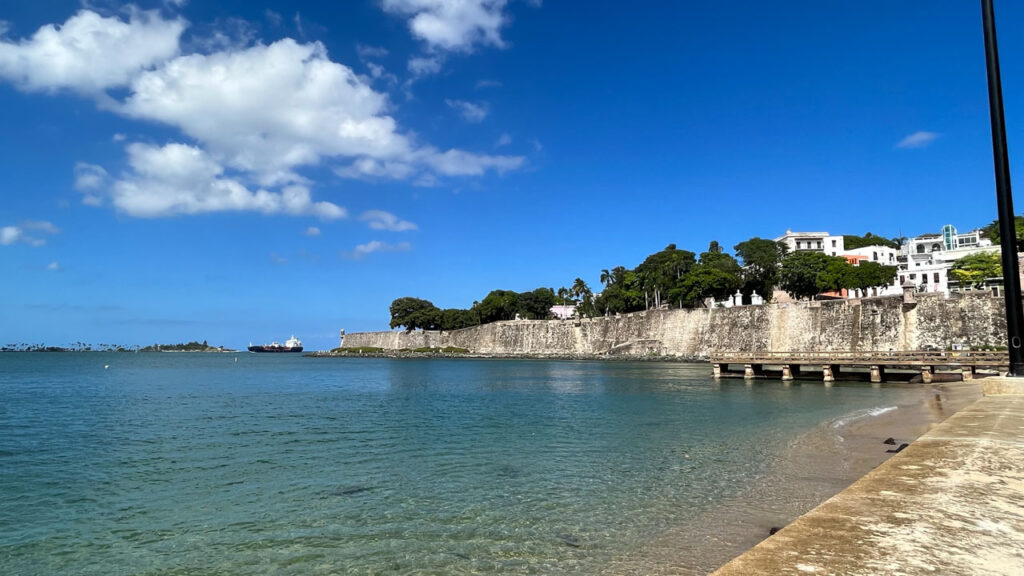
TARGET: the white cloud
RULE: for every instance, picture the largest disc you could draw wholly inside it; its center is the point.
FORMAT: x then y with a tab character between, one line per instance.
90	53
470	111
487	84
381	220
278	259
89	180
456	25
9	235
504	140
312	231
378	72
425	65
54	266
27	232
366	52
252	117
459	163
363	250
180	179
118	137
369	168
269	109
918	139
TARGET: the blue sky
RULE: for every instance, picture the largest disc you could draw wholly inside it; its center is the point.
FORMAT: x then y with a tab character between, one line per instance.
239	170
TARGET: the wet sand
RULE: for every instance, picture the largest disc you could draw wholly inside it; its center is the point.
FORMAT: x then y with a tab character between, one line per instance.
816	466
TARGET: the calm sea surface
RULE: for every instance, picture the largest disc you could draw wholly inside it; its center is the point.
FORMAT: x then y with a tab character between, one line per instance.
201	464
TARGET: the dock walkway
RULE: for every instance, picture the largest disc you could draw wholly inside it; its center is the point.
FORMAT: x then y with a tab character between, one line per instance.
792	363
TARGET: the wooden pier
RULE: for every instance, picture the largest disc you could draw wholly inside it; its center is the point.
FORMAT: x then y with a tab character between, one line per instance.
795	364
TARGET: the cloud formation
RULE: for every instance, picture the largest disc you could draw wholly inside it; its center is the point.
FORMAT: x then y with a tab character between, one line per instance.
31	232
918	139
363	250
312	231
178	179
470	112
381	220
455	25
256	116
89	53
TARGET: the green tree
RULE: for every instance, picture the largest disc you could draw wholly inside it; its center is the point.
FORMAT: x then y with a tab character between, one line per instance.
622	295
498	305
992	231
973	270
852	242
717	275
537	303
869	275
579	289
457	318
414	313
661	273
807	274
761	259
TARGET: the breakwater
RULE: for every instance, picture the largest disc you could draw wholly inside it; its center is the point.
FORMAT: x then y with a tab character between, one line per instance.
908	322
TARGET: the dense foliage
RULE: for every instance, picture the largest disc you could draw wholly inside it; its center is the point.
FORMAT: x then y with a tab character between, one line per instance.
852	242
974	269
807	274
992	231
418	314
761	260
669	278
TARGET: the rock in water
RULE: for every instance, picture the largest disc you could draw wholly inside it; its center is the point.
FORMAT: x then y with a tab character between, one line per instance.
898	449
890	441
773	530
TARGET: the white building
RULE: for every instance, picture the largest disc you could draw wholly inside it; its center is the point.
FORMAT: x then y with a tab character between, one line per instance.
812	241
926	260
881	254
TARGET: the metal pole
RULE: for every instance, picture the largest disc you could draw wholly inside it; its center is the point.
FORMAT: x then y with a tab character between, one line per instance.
1004	196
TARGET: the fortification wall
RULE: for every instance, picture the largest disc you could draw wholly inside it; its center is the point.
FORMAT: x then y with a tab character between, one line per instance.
886	323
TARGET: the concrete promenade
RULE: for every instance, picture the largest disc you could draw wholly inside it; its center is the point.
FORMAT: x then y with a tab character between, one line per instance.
951	503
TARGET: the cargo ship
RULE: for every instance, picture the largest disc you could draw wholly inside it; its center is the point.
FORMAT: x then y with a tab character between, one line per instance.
293	344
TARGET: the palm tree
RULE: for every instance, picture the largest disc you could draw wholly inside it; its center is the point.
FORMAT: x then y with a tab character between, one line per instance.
579	289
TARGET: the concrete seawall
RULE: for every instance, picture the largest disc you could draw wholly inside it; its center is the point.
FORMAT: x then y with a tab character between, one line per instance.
915	322
948	504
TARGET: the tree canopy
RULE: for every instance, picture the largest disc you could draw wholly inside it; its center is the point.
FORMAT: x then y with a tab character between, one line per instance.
807	274
761	260
992	231
852	242
973	270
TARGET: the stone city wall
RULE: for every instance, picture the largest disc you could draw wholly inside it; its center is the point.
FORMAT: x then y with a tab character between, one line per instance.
912	322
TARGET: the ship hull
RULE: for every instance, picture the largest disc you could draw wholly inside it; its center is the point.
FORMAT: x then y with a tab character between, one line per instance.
275	349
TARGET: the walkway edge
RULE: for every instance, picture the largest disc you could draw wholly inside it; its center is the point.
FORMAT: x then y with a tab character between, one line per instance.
951	503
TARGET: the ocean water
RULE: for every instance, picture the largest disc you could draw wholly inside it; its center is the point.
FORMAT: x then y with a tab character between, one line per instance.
258	464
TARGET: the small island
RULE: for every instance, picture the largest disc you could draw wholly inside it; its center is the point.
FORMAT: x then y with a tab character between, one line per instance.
193	346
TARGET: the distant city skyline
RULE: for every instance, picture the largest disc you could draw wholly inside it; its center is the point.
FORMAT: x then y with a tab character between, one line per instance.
238	172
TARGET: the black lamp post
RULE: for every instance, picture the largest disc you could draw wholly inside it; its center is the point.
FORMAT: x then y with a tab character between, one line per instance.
1004	196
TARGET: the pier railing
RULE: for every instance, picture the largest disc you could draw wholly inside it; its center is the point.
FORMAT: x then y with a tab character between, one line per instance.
892	358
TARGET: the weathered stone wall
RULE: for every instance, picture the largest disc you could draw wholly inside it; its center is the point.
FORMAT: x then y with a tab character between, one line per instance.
886	323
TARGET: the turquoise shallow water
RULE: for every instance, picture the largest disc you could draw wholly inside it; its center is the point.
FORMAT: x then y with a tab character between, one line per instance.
198	464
